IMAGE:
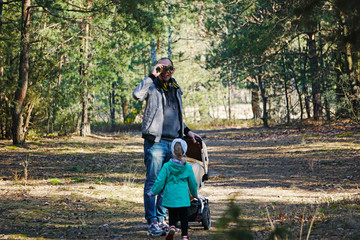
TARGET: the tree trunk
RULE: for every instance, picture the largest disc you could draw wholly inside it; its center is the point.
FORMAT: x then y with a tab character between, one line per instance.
112	107
323	76
54	116
60	68
264	99
298	92
287	102
22	84
3	116
343	107
7	119
229	99
48	121
85	124
3	100
2	129
170	32
78	122
304	84
356	86
125	108
28	116
351	60
255	104
85	120
342	110
297	83
327	109
153	52
1	10
286	92
314	71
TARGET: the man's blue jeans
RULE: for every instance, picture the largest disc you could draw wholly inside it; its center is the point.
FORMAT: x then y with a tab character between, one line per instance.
155	155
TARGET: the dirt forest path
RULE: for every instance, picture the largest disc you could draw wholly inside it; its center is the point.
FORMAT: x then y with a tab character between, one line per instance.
91	188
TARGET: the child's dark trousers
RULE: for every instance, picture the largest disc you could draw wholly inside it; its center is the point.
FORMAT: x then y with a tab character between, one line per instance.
179	214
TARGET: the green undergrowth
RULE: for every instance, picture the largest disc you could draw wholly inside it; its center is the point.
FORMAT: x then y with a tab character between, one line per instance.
328	219
224	123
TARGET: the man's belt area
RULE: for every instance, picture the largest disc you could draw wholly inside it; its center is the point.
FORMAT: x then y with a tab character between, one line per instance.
167	138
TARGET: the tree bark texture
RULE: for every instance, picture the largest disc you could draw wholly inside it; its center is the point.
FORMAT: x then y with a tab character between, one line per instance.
112	106
264	99
125	108
314	71
286	91
323	76
22	84
255	104
303	83
1	10
229	99
296	81
85	120
170	32
153	52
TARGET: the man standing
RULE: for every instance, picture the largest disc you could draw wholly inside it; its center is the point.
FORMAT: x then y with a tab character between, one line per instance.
162	122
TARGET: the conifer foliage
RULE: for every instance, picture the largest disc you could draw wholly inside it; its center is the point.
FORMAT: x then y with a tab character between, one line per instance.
66	65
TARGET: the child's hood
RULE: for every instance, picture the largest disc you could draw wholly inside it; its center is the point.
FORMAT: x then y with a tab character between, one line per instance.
176	169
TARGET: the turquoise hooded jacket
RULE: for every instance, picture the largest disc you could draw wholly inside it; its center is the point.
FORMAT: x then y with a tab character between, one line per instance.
178	180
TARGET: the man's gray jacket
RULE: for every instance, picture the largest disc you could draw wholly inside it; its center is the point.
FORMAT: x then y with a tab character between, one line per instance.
150	89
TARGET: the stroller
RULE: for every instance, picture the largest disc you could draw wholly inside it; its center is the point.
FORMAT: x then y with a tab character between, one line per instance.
199	210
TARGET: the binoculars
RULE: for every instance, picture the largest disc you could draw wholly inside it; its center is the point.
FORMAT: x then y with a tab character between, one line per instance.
165	69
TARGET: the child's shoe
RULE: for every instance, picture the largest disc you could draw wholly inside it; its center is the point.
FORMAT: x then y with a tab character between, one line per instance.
184	237
171	233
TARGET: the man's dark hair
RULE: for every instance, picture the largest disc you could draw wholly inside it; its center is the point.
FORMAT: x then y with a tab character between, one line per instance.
165	58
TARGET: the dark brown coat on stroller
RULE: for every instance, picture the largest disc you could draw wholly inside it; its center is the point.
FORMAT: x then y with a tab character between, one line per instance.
198	158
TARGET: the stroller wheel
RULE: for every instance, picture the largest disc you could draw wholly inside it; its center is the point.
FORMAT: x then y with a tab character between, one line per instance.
206	220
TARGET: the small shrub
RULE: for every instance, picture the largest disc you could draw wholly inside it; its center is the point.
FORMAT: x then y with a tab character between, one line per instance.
54	181
78	179
33	135
100	180
74	169
25	165
280	233
231	226
16	176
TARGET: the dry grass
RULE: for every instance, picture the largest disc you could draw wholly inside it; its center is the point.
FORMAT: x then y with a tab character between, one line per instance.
76	188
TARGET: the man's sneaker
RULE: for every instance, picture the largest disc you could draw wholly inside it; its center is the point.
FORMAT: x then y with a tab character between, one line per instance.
184	237
171	233
154	230
164	226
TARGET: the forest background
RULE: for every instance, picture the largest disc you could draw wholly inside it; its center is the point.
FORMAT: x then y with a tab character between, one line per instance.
68	68
71	66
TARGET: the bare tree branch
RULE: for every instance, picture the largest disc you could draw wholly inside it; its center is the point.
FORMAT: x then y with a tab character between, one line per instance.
61	44
80	7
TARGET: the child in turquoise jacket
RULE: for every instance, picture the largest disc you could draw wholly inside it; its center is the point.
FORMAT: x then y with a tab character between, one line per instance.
178	179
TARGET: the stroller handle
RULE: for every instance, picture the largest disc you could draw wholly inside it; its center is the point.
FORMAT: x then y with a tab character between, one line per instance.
198	140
